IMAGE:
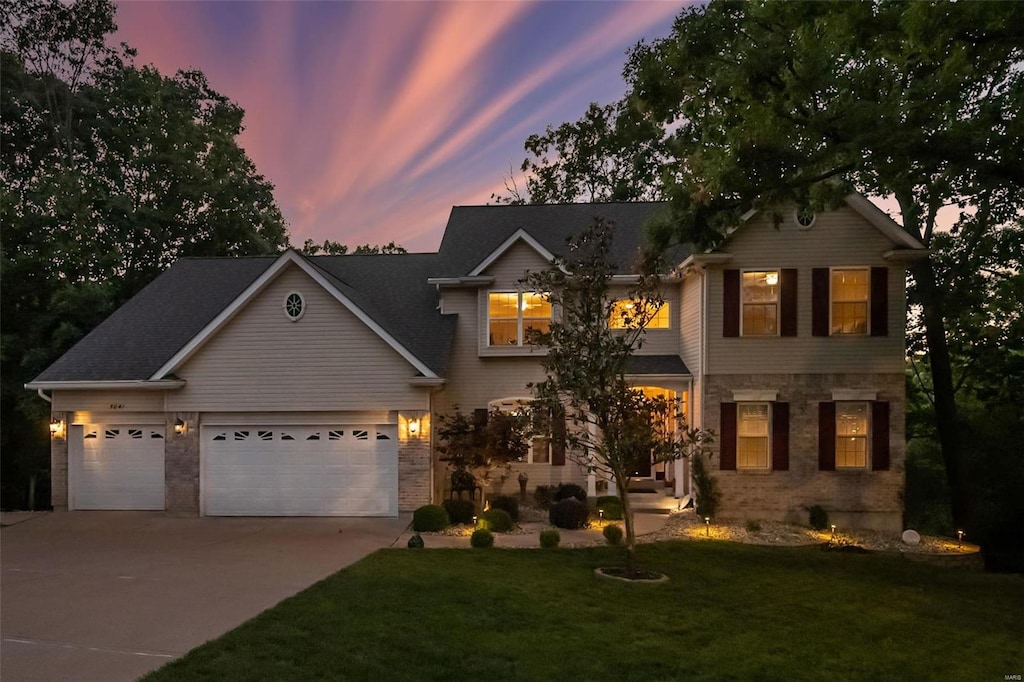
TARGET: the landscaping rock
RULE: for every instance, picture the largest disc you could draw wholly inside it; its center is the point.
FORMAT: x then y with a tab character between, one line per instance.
911	537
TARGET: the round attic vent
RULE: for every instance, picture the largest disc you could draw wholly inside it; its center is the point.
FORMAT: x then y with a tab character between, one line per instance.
294	306
804	216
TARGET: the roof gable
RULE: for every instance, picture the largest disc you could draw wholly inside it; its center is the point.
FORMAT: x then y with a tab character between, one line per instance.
520	235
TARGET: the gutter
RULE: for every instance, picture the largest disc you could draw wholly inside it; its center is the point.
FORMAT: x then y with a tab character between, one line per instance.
125	384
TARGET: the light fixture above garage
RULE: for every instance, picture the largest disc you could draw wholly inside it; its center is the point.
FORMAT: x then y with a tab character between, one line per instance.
180	427
414	427
57	428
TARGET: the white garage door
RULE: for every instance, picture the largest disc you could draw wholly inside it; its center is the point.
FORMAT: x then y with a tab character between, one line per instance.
120	467
300	470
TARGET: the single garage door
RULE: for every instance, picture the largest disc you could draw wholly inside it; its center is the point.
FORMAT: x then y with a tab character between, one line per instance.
120	467
300	471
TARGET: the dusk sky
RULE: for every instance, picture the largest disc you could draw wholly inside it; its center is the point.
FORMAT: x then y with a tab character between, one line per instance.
373	119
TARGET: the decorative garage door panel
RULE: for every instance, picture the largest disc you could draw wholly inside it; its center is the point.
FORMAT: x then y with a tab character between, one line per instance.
121	467
300	471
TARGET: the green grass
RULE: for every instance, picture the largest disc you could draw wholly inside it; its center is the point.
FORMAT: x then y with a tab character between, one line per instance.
729	612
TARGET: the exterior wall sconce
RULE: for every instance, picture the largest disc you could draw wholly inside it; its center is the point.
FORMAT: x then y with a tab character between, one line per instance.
414	427
57	428
180	427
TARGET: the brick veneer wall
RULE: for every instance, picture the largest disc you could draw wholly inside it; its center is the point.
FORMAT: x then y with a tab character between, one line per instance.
181	465
59	465
414	463
854	499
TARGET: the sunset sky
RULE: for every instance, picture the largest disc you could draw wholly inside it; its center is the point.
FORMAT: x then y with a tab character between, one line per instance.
372	119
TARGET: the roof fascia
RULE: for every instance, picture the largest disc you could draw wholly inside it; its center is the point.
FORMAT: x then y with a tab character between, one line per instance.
124	384
460	281
287	258
519	234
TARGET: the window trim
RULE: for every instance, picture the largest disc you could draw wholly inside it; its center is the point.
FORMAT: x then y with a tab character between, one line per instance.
768	435
868	434
778	303
665	305
832	301
520	330
513	403
302	306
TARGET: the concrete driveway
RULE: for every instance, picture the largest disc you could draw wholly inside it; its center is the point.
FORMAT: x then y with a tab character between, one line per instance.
113	595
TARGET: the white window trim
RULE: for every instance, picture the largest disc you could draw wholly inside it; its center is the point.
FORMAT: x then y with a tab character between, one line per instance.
768	437
665	304
754	396
778	303
796	217
867	436
831	300
854	395
521	341
302	303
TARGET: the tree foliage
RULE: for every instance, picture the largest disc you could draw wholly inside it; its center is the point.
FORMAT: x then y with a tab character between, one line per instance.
110	172
483	446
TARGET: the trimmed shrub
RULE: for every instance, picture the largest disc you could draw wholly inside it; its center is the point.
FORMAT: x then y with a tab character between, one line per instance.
482	538
460	511
508	503
429	517
567	490
550	538
497	520
543	495
817	517
569	513
706	487
613	534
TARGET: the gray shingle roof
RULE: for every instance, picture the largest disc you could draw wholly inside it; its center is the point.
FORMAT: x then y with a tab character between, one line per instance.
474	232
656	364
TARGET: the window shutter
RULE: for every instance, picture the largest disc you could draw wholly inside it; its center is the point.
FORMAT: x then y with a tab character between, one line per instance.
558	438
879	301
780	436
731	303
819	301
728	449
880	436
787	302
826	436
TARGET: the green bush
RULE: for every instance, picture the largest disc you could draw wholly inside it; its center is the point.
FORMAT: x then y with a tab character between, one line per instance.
817	517
482	538
613	534
508	503
705	487
460	511
567	490
543	495
430	517
611	506
550	538
569	513
497	520
605	499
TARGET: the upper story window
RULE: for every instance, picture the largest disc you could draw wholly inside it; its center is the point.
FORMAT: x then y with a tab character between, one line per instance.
850	295
623	315
752	440
760	303
851	435
514	315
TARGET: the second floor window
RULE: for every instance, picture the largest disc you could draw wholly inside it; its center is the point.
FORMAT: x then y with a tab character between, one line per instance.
850	301
514	315
760	303
623	316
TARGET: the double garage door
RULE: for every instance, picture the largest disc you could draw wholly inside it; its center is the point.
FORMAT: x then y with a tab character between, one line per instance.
265	470
299	470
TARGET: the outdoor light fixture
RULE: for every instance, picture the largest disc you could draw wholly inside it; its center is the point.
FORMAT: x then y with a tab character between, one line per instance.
180	427
707	526
474	521
57	428
959	538
414	427
833	530
600	513
771	278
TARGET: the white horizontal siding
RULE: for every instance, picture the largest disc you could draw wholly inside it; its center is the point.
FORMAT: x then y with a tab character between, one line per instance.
689	322
514	264
840	238
327	360
108	401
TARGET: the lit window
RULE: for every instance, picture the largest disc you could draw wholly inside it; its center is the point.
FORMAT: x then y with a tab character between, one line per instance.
513	317
851	435
850	301
622	316
761	303
752	436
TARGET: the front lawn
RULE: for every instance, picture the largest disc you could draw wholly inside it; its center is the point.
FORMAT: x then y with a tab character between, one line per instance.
729	612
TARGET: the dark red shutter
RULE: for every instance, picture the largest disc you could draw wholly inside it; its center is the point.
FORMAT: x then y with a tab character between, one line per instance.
819	301
879	301
827	436
780	436
731	303
880	436
558	438
728	450
787	301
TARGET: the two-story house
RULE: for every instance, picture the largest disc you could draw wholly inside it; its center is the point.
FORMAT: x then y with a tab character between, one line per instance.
296	385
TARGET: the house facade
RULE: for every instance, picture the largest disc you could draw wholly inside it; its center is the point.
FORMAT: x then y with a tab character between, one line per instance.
298	385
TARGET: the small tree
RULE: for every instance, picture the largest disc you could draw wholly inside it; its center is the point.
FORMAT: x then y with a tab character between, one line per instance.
614	427
479	447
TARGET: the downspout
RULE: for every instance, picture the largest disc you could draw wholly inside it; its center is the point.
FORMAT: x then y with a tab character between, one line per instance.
42	395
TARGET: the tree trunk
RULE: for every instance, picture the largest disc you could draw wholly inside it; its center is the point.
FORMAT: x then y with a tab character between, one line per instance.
946	420
627	519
